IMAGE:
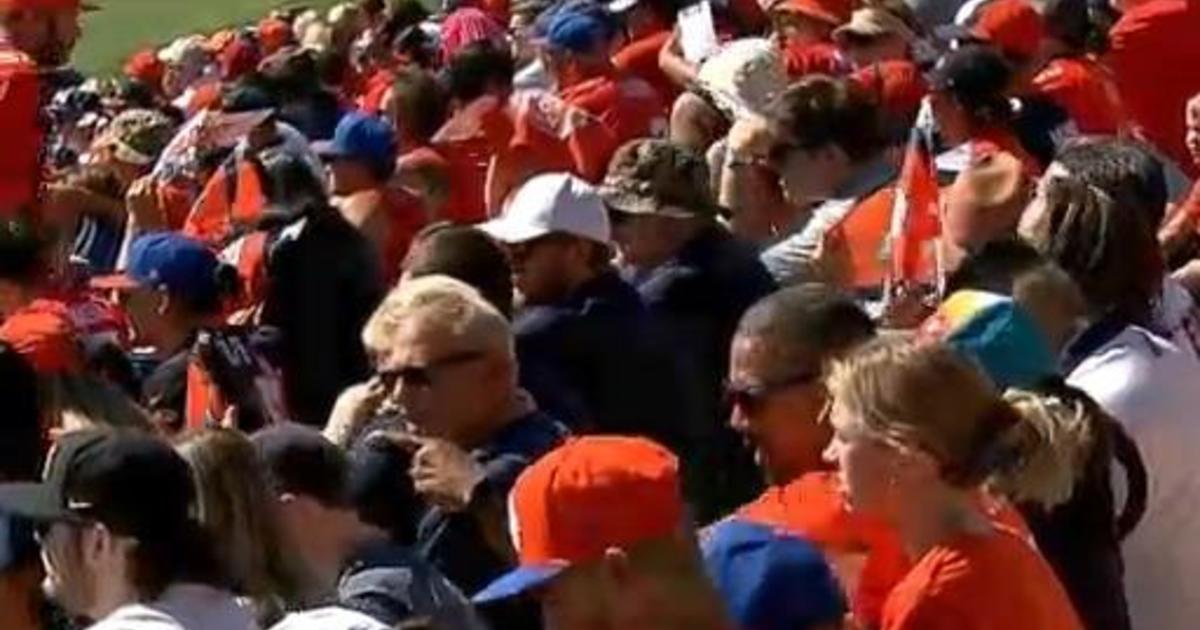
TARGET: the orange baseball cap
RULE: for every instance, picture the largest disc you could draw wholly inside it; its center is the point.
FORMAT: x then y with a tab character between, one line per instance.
832	12
589	495
42	332
274	34
145	66
1013	26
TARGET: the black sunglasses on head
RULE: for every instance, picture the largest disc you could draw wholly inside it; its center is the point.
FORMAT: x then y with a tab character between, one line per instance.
750	398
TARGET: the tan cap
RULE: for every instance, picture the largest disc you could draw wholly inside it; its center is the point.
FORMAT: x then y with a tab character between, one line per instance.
873	22
656	177
745	74
993	182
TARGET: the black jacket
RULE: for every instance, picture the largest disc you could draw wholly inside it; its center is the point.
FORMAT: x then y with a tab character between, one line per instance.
597	361
698	299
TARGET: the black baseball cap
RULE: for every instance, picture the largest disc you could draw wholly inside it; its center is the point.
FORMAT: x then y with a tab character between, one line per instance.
975	74
131	481
300	460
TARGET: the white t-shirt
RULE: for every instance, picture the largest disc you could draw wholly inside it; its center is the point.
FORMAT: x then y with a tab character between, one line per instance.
1153	389
329	618
183	607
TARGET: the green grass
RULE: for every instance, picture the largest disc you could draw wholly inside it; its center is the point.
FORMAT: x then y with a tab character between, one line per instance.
123	26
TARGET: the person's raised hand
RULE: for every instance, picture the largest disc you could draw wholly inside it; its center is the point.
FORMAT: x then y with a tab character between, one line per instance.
353	410
442	472
750	138
141	201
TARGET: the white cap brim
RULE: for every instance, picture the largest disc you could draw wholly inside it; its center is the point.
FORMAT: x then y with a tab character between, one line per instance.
512	232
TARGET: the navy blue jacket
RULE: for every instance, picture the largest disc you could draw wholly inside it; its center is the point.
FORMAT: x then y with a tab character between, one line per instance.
597	361
697	300
453	542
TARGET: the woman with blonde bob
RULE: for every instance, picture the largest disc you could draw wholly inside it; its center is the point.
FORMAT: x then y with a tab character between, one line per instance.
234	501
918	431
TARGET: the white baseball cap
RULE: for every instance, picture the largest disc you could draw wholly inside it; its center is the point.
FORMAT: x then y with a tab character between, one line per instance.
552	203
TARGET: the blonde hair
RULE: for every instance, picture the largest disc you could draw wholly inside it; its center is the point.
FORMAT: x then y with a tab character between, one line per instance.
927	396
1057	437
234	506
438	302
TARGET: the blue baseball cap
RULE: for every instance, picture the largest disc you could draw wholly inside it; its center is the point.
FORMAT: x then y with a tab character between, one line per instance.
579	31
362	138
170	261
997	334
769	579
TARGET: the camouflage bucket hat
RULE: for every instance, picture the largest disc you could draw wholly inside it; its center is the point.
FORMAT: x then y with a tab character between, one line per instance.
138	136
656	177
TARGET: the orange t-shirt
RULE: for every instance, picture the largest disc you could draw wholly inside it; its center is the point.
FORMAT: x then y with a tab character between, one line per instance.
1086	90
996	581
813	507
866	552
640	58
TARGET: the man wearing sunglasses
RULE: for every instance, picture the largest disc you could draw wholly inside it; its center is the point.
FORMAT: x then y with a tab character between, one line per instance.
445	363
777	365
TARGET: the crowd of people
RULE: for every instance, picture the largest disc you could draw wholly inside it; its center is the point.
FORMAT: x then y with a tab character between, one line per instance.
584	315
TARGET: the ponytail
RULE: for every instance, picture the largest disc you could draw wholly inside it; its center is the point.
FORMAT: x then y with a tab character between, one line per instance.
226	286
1042	454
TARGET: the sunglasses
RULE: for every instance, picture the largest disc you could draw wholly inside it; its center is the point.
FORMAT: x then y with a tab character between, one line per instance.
751	398
423	376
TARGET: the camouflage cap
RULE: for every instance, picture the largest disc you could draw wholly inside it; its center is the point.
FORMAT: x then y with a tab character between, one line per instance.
138	136
656	177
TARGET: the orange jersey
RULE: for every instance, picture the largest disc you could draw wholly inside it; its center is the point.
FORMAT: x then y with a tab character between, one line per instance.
1086	90
996	581
21	128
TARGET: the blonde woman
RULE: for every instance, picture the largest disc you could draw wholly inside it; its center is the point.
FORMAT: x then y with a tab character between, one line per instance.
234	504
917	431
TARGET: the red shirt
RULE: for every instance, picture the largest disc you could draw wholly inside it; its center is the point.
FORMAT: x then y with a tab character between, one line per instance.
802	60
21	128
996	581
406	217
374	89
1086	90
640	58
1156	65
467	143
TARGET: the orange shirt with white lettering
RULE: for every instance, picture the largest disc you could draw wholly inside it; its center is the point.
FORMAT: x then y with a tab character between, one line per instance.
995	581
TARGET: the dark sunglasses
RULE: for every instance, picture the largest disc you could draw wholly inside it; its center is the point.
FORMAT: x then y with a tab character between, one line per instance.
751	398
423	376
